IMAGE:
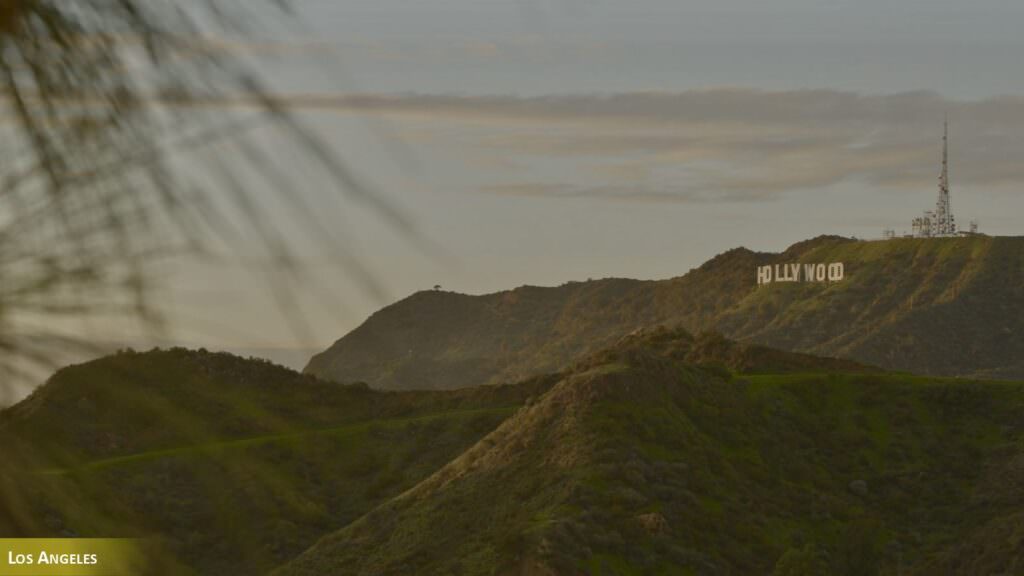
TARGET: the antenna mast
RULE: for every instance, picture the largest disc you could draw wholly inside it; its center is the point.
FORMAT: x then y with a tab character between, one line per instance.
944	223
938	223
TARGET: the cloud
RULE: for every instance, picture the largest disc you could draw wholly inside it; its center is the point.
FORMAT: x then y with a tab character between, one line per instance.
637	193
746	141
719	105
185	44
706	145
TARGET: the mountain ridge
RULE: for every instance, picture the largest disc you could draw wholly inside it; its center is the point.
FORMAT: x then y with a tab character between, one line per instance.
931	306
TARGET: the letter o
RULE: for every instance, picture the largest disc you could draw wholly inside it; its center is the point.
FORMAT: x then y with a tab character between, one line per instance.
835	272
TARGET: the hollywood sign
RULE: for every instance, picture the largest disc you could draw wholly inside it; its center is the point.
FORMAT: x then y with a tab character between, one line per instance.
833	272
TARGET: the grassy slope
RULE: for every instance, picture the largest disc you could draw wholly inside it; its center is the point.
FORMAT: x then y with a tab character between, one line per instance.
941	306
928	306
637	462
234	465
650	457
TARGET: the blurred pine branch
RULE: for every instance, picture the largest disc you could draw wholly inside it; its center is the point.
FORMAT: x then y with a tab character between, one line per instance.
96	98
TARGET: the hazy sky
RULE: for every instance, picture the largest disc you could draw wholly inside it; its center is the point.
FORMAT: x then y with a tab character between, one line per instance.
539	142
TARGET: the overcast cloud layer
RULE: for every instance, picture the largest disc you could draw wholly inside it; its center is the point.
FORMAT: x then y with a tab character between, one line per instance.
727	144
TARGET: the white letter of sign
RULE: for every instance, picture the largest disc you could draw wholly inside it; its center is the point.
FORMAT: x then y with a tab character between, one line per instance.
764	274
835	272
794	272
808	272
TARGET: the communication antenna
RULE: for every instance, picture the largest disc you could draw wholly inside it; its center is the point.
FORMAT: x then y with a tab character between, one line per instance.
944	223
938	223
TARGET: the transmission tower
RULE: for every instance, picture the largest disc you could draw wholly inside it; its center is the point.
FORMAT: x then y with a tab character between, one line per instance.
944	224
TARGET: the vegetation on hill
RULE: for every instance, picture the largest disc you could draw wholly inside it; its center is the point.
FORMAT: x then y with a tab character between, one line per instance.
930	306
232	466
664	453
639	462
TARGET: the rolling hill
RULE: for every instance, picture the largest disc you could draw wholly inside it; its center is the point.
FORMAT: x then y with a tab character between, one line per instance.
663	453
639	461
232	466
948	307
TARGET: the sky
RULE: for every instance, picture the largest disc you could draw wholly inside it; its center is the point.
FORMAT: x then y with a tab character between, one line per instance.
538	142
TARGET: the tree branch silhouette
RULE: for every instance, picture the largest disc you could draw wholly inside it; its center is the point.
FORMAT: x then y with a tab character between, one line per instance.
97	96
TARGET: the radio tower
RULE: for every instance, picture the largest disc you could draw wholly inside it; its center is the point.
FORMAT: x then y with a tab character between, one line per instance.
938	223
944	224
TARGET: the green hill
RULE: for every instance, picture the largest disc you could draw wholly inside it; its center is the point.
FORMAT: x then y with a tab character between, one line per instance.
638	461
233	466
663	453
930	306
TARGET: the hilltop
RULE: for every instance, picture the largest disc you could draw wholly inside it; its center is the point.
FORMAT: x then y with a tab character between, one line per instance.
946	307
638	461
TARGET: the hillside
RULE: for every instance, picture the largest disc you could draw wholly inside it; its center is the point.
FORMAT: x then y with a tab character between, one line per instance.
232	465
664	453
938	306
638	461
